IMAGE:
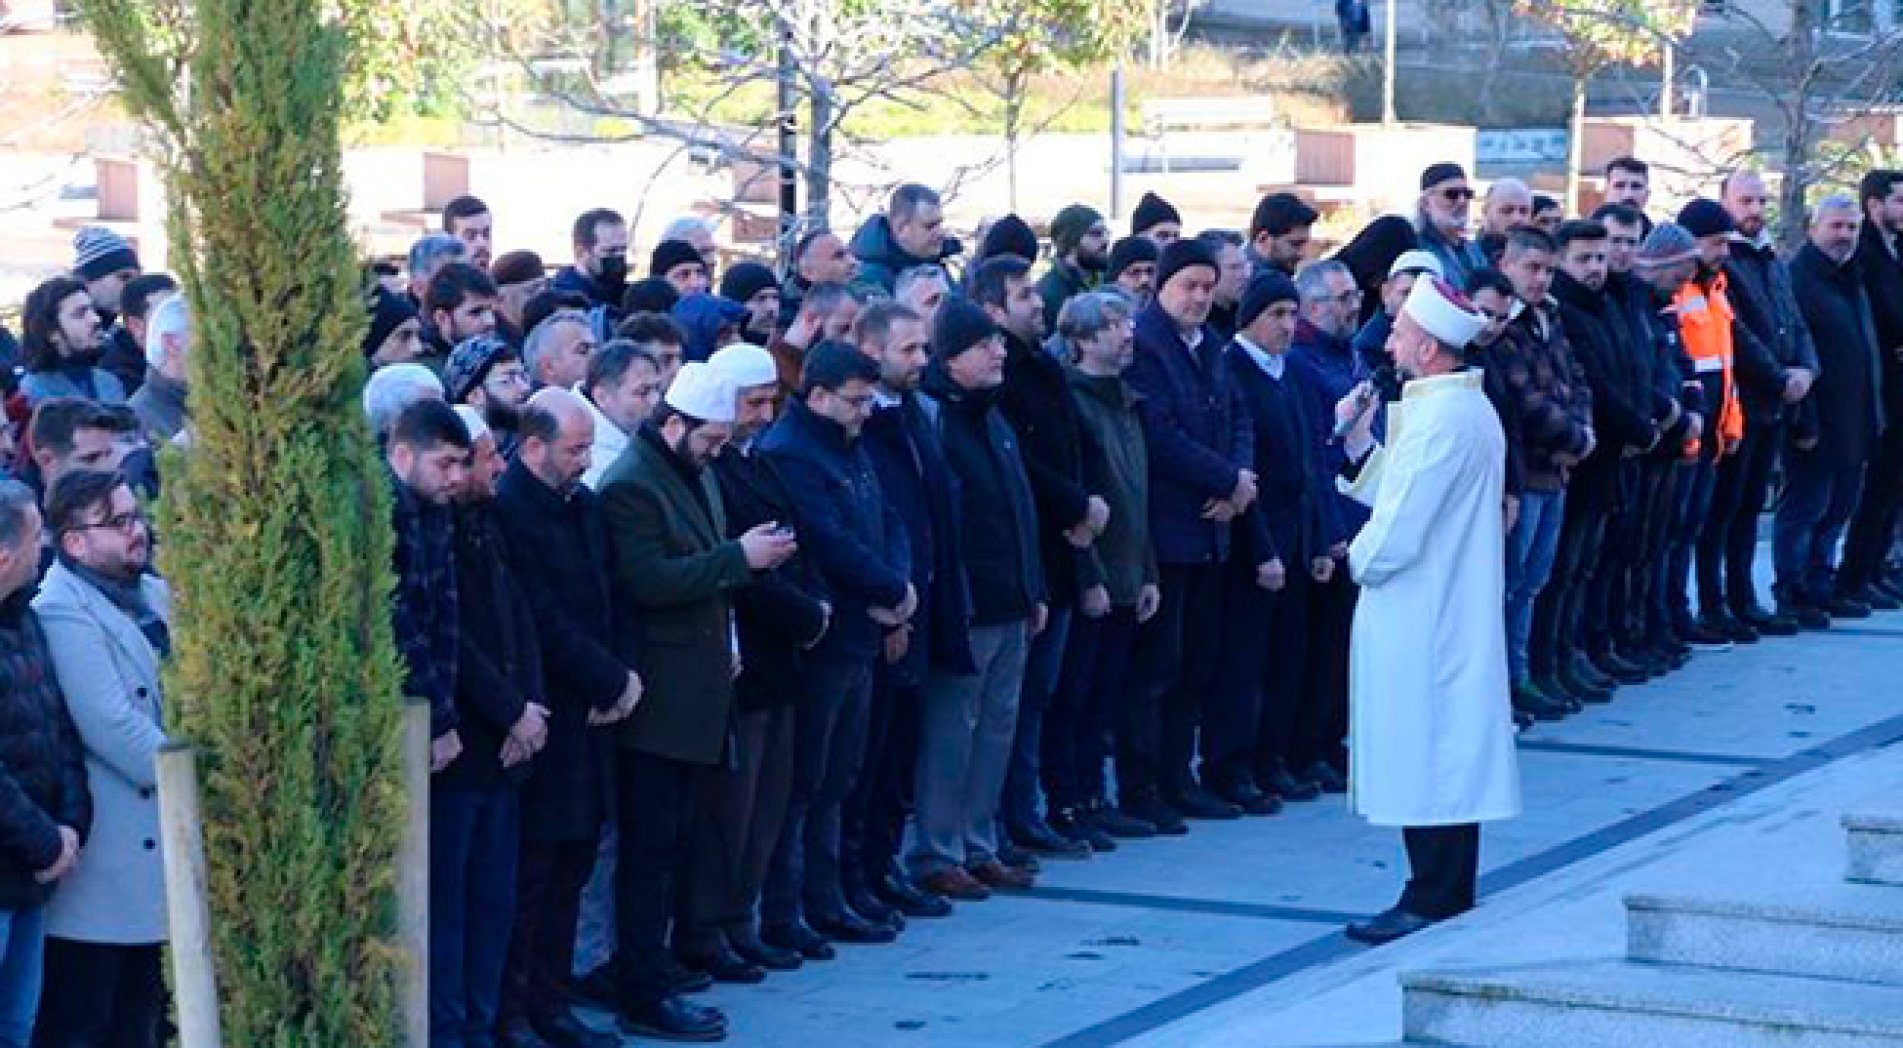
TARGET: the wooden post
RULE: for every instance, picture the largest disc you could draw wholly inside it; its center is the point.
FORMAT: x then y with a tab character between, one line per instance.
189	913
413	876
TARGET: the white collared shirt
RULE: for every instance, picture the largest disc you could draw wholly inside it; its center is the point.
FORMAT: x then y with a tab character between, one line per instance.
1272	365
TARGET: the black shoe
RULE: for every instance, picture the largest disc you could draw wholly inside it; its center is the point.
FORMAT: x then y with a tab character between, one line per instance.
1038	838
1326	777
772	958
1283	783
1523	720
1551	687
563	1030
1072	823
1015	857
904	896
1582	689
1889	587
1249	798
1847	608
1878	599
1387	927
1628	665
519	1034
1807	616
727	966
1198	803
673	1019
598	987
1118	823
1697	635
1731	629
798	938
682	979
1767	623
1530	700
1150	809
1580	667
873	910
847	927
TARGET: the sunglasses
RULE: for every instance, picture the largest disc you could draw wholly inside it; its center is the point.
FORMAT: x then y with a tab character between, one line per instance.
1457	194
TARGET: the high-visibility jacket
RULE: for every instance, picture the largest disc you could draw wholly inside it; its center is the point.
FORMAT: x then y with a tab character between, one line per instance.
1705	317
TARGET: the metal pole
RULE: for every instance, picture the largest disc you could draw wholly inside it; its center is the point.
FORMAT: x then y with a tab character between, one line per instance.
194	976
1669	64
412	884
1116	141
1387	74
788	102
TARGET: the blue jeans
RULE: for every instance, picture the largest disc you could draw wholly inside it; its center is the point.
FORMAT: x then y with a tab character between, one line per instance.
1820	494
1019	807
22	939
1530	552
1696	482
475	835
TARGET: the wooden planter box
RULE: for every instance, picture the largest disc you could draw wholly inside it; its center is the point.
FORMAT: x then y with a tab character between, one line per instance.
1380	165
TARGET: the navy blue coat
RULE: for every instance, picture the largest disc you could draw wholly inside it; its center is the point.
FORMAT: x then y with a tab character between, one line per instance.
1198	434
1328	369
920	486
781	615
1289	517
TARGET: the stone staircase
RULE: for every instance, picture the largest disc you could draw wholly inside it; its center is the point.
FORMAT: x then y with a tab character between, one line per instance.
1803	962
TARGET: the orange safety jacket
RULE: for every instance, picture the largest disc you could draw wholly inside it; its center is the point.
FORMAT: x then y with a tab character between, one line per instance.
1704	324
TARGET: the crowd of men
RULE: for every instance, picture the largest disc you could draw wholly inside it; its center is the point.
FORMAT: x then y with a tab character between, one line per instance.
786	608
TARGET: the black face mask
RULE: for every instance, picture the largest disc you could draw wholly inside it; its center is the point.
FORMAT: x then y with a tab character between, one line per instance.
1092	262
613	271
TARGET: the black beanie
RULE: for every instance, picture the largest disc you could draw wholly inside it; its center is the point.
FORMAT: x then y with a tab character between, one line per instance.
1279	213
1128	252
1445	171
1705	217
1152	211
1183	255
1265	290
1069	225
671	253
649	295
387	313
1009	235
743	280
960	325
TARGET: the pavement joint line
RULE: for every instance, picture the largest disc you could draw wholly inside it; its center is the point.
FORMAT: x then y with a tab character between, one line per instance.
1336	945
1860	631
1180	904
1589	749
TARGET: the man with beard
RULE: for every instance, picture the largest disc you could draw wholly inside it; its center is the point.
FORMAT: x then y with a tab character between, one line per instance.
1232	275
910	460
160	400
1824	479
468	219
674	568
1777	364
1508	204
1440	220
600	270
819	257
1156	220
922	289
460	304
1547	214
1132	269
557	350
1201	451
106	263
59	345
752	285
123	353
548	516
1864	575
681	265
1279	232
485	374
826	314
1080	252
623	385
1629	182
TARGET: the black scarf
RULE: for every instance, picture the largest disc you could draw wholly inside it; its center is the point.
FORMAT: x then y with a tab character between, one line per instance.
127	596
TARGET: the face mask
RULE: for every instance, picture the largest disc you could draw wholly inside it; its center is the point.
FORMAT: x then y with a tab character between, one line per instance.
614	270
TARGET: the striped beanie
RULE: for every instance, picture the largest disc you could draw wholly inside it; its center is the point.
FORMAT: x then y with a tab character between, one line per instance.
99	252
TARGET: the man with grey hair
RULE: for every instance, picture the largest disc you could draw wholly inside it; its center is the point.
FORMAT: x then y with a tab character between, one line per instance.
910	233
394	387
1440	220
160	401
556	353
431	253
1508	203
921	289
1824	479
698	233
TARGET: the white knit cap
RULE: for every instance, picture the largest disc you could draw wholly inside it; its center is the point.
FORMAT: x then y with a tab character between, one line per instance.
1417	260
699	391
744	365
1444	312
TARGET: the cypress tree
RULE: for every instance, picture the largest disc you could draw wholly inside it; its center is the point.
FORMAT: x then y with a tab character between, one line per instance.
274	524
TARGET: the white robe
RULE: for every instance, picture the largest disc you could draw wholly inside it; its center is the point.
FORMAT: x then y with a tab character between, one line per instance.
1431	735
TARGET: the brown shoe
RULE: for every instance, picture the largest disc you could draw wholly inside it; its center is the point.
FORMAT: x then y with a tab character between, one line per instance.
1002	877
953	882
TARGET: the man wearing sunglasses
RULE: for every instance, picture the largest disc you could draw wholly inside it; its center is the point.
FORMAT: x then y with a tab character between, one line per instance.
1441	221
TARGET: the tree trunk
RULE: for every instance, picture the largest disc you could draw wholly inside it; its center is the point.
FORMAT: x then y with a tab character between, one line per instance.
819	158
1576	144
1799	131
1013	124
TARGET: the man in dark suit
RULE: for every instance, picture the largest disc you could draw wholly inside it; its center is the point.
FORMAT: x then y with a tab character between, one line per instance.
1864	574
674	565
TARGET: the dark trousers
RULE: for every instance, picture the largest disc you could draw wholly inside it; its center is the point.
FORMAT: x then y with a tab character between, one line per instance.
1560	607
875	814
654	809
1728	544
741	812
1820	493
1091	692
1608	585
1174	668
1018	807
1695	483
1324	669
1873	527
1266	705
475	841
829	733
1443	870
1659	481
100	995
549	880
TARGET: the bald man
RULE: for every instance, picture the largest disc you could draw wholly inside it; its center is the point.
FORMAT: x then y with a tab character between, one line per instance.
1508	203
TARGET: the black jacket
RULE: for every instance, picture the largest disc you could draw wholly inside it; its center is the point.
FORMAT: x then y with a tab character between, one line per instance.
498	656
1602	344
567	592
1849	391
918	482
1883	281
1286	520
1766	305
424	612
42	762
997	515
124	358
783	613
1036	401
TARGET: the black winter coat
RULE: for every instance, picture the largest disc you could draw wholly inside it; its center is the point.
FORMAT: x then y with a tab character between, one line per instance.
1766	306
997	515
42	762
1287	518
1849	392
1602	345
783	613
1883	281
498	656
1036	401
910	458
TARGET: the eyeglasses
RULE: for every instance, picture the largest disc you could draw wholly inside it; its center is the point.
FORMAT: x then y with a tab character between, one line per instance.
1495	317
510	378
1348	297
124	523
1457	194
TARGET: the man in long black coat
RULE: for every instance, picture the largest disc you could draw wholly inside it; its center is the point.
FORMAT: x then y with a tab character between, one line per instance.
1873	530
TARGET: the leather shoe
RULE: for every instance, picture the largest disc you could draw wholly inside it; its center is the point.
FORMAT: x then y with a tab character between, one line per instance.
1580	667
1848	608
1878	599
848	927
905	897
519	1034
1768	623
1807	616
673	1019
953	882
682	979
1387	927
1697	635
998	876
563	1030
1522	721
598	986
1152	809
1197	803
1015	857
1117	823
1326	776
728	967
1582	689
874	910
800	939
772	958
1071	823
1249	797
1530	700
1038	838
1281	782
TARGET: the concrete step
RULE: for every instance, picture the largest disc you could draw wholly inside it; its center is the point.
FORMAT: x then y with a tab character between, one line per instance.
1625	1004
1874	852
1824	931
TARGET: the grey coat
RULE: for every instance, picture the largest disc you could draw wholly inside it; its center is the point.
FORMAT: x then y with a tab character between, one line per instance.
110	675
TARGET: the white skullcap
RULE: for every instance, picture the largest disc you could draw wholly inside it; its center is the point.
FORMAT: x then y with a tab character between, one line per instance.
744	365
1444	312
701	392
1417	260
473	422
